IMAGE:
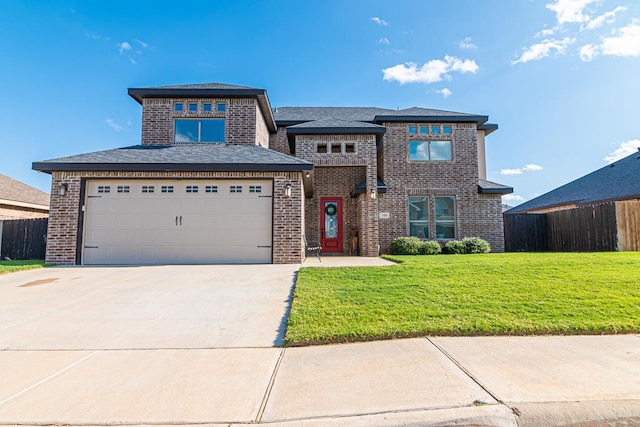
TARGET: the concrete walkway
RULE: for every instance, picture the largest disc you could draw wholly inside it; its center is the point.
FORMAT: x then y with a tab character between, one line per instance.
498	381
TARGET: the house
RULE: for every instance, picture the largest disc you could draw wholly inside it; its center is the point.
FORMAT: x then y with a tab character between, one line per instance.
220	176
21	201
599	211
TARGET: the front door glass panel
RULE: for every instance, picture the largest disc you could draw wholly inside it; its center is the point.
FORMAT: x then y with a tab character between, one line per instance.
330	220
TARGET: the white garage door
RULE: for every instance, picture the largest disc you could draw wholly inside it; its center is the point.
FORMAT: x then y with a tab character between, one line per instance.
177	222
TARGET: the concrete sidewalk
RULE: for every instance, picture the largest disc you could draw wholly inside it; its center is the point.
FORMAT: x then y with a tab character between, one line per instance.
501	381
172	345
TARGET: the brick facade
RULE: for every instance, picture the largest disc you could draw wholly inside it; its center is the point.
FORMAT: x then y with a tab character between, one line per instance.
476	214
336	174
341	162
244	123
65	232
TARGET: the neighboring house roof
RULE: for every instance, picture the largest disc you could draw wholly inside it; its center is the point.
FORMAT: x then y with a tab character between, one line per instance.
489	187
286	116
16	193
187	157
618	181
208	90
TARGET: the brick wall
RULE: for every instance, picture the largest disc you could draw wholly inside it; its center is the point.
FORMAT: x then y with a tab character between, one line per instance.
279	142
476	215
63	232
262	132
336	175
241	115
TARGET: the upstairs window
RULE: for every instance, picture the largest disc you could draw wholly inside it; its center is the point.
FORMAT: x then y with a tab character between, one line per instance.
206	106
177	106
221	107
203	130
193	106
430	150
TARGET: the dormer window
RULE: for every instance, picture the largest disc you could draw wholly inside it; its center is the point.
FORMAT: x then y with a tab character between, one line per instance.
200	130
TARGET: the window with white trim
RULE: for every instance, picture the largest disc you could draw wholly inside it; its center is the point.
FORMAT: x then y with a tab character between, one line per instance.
235	189
148	189
123	188
167	189
192	189
255	189
211	189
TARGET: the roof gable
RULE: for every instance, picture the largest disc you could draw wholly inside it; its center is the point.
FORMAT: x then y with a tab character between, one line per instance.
16	191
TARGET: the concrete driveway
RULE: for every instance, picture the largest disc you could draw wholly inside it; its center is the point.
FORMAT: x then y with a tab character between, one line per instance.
152	307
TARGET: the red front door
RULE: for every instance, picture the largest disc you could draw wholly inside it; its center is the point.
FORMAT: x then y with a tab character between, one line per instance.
331	225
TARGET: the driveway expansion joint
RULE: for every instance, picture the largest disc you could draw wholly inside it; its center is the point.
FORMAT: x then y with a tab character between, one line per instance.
267	393
472	377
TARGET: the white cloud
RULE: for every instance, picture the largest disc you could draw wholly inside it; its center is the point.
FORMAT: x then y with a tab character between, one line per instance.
605	18
625	149
546	32
379	21
433	71
543	49
519	171
588	52
133	61
124	47
467	44
626	43
114	125
512	198
532	167
510	171
143	44
446	92
570	11
384	40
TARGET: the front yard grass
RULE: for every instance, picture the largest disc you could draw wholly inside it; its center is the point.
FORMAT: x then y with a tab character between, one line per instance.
492	294
11	266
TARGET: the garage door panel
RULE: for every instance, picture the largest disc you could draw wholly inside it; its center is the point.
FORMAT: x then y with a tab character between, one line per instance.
179	227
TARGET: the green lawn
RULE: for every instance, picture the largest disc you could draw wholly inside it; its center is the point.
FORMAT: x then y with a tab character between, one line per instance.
493	294
11	266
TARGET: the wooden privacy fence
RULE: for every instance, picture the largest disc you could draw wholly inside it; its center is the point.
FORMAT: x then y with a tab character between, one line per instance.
23	238
611	226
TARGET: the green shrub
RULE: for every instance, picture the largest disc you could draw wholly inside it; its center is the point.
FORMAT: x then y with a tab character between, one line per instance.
454	247
468	245
430	247
406	246
476	245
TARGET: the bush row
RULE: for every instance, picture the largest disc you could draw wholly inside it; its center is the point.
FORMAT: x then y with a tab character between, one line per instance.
415	246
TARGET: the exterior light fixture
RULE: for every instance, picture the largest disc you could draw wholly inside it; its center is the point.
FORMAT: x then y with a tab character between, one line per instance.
62	189
308	174
373	194
287	190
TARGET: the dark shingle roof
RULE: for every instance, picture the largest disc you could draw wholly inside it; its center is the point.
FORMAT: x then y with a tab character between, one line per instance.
335	126
188	157
212	85
208	90
489	187
617	181
16	191
291	115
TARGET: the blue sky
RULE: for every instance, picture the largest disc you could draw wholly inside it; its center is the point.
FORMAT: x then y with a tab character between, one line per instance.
560	77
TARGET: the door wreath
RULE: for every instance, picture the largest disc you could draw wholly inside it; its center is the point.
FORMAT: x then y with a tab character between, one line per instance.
330	209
